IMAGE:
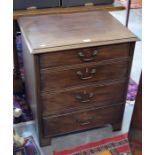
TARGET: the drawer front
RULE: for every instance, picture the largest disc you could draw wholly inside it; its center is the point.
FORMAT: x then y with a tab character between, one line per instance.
108	94
53	80
82	120
84	55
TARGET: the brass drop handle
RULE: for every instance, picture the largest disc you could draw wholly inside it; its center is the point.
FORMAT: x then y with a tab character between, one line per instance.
86	75
85	122
85	59
84	97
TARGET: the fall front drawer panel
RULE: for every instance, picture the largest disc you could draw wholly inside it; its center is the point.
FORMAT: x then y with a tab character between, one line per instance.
52	80
105	94
84	55
77	121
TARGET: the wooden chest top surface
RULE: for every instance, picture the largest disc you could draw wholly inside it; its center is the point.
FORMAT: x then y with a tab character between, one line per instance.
55	32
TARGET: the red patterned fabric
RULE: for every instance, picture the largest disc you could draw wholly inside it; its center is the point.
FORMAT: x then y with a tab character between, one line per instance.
117	145
29	148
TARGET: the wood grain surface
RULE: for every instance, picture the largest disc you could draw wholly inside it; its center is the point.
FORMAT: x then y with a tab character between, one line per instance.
82	120
64	31
54	80
84	55
80	98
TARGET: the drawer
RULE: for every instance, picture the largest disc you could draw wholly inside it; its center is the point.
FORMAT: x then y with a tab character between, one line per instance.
106	94
67	3
53	80
84	55
82	120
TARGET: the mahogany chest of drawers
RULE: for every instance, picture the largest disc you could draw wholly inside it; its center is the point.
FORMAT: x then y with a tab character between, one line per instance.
77	68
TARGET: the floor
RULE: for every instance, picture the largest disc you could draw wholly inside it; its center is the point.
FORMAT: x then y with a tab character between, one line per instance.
71	140
135	26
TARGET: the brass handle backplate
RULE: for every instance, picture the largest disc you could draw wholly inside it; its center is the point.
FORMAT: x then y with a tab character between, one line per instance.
87	74
86	121
84	58
84	97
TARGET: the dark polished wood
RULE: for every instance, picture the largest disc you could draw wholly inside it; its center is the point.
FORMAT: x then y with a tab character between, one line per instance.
79	98
84	55
137	113
77	121
76	86
82	75
57	32
21	13
117	126
135	131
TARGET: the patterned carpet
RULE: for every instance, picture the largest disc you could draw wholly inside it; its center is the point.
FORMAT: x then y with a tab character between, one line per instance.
132	90
117	145
29	148
19	102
